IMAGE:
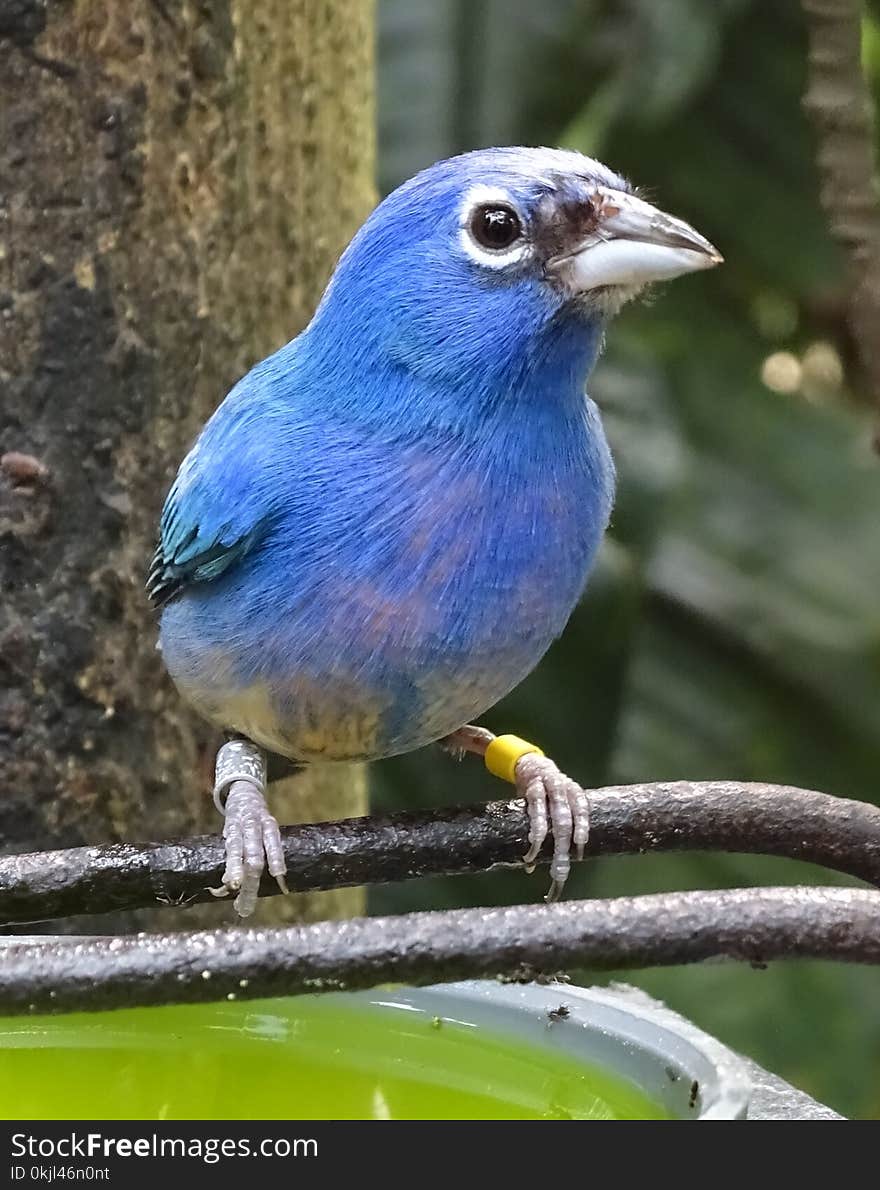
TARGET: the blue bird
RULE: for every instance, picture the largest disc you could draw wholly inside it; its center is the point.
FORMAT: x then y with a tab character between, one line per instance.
386	523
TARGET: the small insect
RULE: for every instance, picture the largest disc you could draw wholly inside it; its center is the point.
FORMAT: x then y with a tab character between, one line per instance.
562	1013
695	1090
176	902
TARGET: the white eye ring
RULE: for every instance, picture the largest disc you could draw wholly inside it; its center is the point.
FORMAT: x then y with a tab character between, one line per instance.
482	196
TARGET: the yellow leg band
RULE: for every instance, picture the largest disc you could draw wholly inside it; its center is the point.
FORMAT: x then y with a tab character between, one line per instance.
503	753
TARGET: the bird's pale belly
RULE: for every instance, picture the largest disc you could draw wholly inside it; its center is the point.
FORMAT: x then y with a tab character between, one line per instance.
334	724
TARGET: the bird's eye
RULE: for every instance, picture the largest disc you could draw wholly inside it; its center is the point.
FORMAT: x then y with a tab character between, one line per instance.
495	227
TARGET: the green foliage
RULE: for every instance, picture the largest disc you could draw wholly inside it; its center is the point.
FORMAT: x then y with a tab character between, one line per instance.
733	627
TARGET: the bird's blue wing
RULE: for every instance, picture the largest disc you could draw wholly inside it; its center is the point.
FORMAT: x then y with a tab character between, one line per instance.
214	513
201	536
195	546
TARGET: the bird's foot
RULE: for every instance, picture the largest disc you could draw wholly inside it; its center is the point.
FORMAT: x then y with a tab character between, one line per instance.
253	840
553	802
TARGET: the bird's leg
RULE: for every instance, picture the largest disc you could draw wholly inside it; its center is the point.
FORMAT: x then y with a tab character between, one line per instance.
553	801
467	739
253	840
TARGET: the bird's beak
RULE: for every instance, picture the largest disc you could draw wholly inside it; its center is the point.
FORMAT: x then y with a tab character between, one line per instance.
632	243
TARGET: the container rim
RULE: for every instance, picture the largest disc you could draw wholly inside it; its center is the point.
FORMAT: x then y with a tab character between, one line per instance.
619	1029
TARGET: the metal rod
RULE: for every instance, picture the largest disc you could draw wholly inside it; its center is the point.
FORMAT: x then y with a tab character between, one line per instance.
517	942
666	816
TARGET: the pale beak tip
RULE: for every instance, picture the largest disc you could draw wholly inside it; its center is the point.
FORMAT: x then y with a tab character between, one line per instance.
709	257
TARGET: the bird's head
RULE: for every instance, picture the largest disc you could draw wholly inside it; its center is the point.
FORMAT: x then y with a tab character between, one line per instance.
485	262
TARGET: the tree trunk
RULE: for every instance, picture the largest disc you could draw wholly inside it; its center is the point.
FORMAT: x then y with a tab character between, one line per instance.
176	181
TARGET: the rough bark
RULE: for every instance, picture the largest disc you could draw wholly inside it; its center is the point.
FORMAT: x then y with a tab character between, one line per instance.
176	181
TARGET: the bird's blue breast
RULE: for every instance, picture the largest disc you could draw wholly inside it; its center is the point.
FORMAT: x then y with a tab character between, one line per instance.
406	576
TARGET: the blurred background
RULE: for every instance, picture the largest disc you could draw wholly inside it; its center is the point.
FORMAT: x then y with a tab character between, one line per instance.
732	629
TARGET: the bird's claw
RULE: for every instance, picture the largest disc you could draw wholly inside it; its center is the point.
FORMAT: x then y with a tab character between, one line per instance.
553	801
251	833
253	843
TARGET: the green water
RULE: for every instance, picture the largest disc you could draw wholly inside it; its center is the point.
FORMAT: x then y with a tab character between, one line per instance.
304	1058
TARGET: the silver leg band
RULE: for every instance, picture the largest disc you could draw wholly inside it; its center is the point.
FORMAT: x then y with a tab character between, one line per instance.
238	760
